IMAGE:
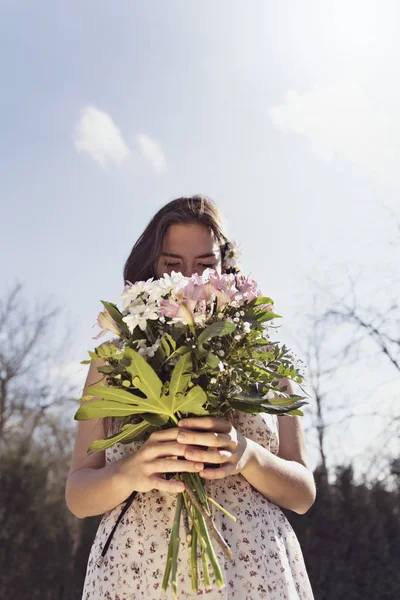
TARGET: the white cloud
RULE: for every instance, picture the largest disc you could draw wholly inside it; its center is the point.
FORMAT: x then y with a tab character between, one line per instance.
98	135
341	120
152	152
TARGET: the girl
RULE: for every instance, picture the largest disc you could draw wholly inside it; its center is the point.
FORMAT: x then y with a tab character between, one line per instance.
262	458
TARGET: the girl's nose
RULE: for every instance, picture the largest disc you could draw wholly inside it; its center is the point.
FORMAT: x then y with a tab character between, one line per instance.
187	271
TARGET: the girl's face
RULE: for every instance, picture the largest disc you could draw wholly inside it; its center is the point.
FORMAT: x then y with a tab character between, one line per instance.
188	249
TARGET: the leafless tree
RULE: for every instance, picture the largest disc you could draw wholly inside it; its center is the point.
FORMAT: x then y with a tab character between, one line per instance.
32	346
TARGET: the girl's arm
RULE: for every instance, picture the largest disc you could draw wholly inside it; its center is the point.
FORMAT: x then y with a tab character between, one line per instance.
94	487
285	479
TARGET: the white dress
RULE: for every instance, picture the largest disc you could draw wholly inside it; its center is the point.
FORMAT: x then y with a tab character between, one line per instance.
268	560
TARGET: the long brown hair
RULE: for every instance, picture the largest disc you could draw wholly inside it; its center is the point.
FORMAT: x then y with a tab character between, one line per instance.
141	262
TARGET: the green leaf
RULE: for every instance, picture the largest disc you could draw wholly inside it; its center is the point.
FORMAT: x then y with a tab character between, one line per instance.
219	328
192	402
170	340
165	348
155	420
112	393
103	351
261	300
280	401
98	409
181	377
129	431
158	404
107	370
264	408
212	360
261	316
143	376
179	352
295	413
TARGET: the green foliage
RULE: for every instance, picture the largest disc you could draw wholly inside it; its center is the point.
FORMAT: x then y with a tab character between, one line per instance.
127	434
217	329
118	402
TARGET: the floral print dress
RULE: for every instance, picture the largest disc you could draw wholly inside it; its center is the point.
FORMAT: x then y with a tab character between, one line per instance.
268	560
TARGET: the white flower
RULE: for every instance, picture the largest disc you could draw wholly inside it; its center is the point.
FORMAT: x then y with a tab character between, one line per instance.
213	380
145	350
246	327
165	285
132	291
221	366
200	319
232	256
139	314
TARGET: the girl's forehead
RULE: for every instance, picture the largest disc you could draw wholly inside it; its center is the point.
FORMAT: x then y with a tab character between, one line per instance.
189	237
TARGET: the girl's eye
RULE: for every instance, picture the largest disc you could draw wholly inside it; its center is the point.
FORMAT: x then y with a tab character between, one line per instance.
209	266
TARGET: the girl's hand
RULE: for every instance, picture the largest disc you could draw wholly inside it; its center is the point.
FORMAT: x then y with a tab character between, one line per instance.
223	445
156	457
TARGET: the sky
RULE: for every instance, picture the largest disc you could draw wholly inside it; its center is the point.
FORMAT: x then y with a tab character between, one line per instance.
286	114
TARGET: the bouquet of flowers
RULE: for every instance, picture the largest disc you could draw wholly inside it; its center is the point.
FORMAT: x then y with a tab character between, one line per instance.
189	346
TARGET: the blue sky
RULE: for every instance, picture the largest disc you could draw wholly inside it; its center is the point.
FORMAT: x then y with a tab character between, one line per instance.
285	113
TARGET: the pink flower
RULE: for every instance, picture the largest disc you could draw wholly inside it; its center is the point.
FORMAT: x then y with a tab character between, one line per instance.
106	323
248	287
224	288
267	307
180	311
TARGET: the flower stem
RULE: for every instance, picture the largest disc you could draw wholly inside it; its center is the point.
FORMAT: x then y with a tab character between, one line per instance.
219	578
210	524
198	486
185	521
173	548
206	575
193	561
228	514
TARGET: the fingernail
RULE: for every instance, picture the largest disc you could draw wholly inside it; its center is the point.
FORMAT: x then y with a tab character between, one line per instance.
181	437
182	423
199	466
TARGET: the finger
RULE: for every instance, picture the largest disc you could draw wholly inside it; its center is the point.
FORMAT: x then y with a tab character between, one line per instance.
164	435
166	465
163	485
208	456
217	473
201	438
163	449
207	423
